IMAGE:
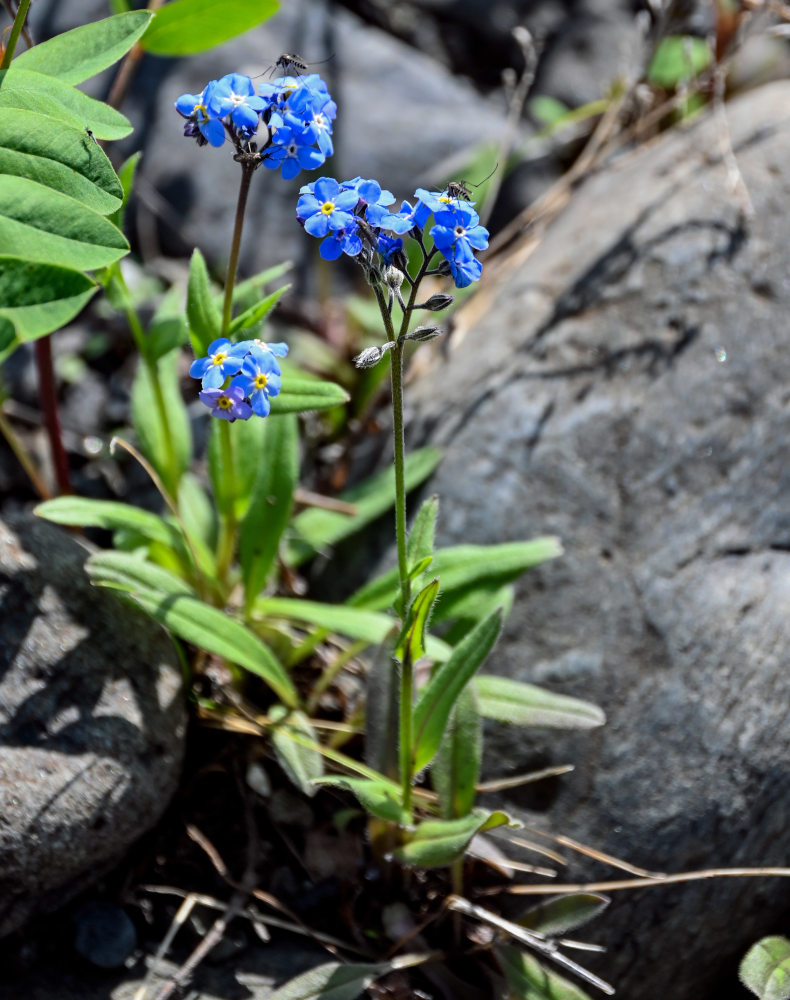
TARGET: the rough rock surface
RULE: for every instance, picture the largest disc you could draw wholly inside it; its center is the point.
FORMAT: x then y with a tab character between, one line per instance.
92	722
628	390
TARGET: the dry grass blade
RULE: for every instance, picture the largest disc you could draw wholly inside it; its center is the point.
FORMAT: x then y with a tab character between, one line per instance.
501	784
645	883
592	852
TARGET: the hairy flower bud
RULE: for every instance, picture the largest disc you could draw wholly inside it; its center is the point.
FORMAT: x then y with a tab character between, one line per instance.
437	302
372	355
393	277
423	333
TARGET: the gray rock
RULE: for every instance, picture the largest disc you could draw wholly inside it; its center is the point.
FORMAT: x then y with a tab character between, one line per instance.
92	722
627	390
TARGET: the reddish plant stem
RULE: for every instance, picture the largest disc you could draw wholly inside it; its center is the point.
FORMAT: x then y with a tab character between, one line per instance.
49	407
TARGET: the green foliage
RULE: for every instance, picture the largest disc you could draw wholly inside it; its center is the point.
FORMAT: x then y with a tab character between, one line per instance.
411	645
529	979
765	969
547	110
677	59
163	430
184	27
335	981
437	843
420	547
380	798
437	698
456	767
520	704
561	914
203	315
301	760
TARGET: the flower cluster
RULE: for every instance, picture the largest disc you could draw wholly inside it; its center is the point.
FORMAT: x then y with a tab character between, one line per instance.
239	379
357	215
292	115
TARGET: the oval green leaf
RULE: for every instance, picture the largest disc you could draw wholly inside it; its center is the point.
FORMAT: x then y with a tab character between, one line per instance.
40	224
530	980
58	156
79	54
185	27
382	799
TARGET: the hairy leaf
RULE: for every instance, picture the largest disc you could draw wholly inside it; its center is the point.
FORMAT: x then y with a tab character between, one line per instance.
765	969
303	764
382	799
302	395
203	316
456	767
438	842
419	548
520	704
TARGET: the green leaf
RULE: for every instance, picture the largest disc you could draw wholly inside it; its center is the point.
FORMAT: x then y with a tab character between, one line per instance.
205	319
36	299
152	427
257	312
462	568
271	502
60	157
115	516
547	110
438	842
170	601
165	335
506	700
79	54
355	623
40	224
318	529
47	95
419	547
561	914
126	175
765	969
301	395
529	980
456	767
332	981
412	643
382	799
678	58
303	764
437	698
196	510
251	287
185	27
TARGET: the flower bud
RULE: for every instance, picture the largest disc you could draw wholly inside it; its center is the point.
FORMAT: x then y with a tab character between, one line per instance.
372	355
437	302
423	333
393	277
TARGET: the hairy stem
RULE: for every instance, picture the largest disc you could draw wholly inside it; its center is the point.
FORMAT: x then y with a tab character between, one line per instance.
16	29
233	262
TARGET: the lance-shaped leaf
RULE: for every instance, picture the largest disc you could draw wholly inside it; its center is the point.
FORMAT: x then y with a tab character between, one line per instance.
37	223
169	600
36	299
461	567
317	528
530	980
257	312
271	502
154	428
77	55
303	764
438	842
50	96
205	319
765	969
456	767
58	156
419	547
411	645
437	698
383	799
303	395
506	700
334	981
185	27
561	914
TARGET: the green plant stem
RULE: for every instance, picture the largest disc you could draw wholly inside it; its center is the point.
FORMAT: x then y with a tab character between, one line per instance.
48	397
16	30
228	522
233	262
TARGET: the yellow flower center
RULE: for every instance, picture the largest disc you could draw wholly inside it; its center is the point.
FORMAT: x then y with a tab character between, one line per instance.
260	381
224	403
218	358
328	207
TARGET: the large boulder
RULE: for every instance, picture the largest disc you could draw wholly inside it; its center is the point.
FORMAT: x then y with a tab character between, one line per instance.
92	722
627	389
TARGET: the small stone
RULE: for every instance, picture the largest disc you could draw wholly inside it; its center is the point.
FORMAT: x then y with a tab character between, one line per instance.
105	935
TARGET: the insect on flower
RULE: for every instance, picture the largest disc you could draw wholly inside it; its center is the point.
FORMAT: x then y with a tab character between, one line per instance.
461	189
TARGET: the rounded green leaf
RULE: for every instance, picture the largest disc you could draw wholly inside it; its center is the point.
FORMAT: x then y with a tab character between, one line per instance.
50	96
765	969
36	299
58	156
678	58
184	27
81	53
40	224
